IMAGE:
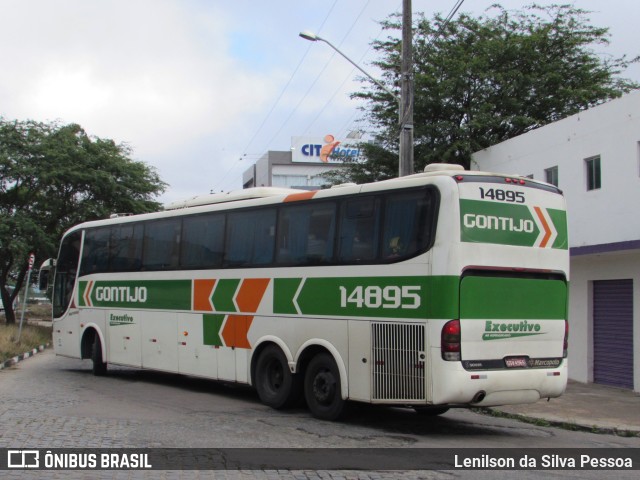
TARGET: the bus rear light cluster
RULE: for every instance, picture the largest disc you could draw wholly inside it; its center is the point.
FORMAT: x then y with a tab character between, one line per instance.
565	347
450	341
515	181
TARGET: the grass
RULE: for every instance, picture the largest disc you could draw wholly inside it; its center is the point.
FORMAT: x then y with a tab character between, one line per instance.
32	335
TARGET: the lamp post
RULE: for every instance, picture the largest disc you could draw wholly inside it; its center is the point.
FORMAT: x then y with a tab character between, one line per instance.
405	118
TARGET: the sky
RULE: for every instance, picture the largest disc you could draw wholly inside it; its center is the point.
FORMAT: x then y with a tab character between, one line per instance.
200	89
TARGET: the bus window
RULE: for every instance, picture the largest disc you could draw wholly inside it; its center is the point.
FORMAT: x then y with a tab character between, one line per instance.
251	238
202	241
408	222
305	234
126	247
66	270
359	227
95	257
161	244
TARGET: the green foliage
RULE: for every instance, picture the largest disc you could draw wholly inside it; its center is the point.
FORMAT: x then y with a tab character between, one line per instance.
54	176
480	81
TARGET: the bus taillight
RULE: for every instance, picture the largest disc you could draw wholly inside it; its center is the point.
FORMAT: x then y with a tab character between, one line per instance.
450	341
565	348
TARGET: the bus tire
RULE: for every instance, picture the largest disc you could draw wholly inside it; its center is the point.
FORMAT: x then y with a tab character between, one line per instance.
277	387
99	367
322	389
431	411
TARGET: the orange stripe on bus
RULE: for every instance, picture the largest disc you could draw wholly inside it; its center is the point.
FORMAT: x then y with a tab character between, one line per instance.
295	197
202	291
87	294
250	295
235	331
545	225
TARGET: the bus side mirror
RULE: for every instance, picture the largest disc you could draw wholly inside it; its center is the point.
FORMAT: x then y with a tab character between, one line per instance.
45	275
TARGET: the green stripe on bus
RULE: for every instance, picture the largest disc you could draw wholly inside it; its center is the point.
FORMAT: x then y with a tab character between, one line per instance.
211	325
285	290
141	294
223	294
373	297
513	298
559	219
509	224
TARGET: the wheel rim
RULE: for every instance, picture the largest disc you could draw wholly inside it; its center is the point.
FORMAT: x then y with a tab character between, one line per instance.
324	387
275	376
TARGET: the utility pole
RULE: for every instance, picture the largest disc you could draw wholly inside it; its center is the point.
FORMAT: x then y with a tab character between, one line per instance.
405	102
406	93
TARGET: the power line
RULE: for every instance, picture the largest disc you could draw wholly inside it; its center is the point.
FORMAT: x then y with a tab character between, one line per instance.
344	81
275	104
277	101
319	75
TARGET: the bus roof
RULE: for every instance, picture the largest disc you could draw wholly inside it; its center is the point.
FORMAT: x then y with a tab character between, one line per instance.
276	194
233	196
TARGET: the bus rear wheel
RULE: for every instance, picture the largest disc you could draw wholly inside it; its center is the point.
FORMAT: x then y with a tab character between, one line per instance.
322	389
99	367
277	387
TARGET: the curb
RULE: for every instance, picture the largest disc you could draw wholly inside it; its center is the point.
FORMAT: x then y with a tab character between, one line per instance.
24	356
576	427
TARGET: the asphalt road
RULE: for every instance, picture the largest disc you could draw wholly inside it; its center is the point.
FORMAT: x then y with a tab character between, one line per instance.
55	402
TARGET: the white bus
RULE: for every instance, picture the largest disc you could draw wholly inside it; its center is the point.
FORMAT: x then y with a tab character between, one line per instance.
446	288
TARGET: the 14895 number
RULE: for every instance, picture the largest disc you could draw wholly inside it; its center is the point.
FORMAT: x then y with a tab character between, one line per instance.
502	195
373	296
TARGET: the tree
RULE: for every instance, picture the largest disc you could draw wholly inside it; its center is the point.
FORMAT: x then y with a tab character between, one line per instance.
480	81
52	177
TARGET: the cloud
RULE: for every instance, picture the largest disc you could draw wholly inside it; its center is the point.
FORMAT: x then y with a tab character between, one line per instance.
187	83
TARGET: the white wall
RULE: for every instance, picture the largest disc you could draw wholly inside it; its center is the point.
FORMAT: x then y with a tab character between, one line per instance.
611	130
608	215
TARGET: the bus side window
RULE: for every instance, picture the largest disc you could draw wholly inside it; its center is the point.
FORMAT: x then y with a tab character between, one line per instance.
408	222
126	248
161	244
95	256
305	234
202	241
359	227
251	238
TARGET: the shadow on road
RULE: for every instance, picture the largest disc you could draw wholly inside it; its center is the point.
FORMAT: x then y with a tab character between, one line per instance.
388	420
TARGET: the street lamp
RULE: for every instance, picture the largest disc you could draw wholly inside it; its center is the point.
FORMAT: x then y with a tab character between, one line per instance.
406	121
312	37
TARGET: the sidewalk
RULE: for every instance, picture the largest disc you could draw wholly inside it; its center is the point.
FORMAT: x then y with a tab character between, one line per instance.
585	406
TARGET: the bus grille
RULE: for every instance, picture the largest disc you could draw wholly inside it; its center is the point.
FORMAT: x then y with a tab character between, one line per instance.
398	352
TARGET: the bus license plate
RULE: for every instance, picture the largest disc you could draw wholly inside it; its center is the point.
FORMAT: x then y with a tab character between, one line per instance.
516	362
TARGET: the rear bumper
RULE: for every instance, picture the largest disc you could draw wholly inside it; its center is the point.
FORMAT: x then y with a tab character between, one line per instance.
452	384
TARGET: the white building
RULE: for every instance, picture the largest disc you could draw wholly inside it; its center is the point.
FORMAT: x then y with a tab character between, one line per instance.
301	167
594	157
276	169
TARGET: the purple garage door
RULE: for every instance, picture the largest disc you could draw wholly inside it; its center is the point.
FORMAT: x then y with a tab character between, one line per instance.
613	332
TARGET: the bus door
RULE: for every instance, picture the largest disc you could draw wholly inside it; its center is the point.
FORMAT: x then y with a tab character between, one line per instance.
66	326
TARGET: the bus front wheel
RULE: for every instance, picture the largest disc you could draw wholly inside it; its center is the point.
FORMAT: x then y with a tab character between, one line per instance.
322	389
277	387
99	367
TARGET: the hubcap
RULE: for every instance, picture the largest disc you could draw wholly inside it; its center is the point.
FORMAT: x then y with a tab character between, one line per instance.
324	387
275	375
